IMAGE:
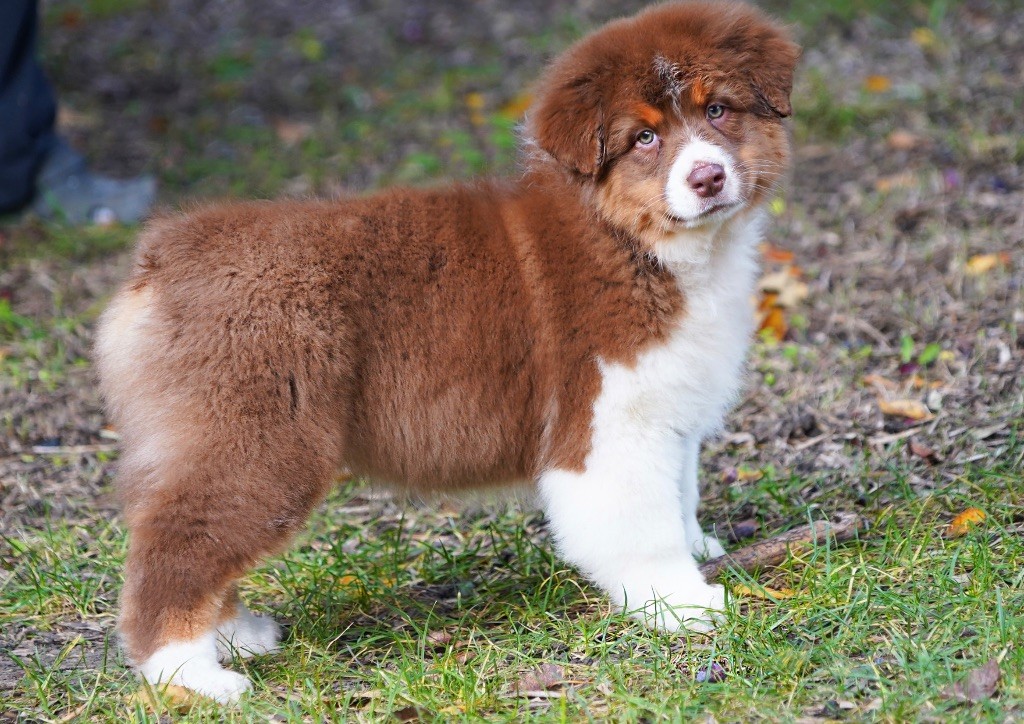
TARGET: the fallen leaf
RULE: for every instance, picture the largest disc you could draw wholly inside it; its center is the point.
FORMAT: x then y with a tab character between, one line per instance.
903	180
438	639
880	382
775	255
910	409
877	83
900	140
464	656
749	475
962	524
763	592
517	106
742	530
292	132
774	321
165	698
923	451
979	684
548	676
787	285
407	713
924	37
983	263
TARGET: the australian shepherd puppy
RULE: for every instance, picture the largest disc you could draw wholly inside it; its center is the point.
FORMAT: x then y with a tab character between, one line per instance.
581	327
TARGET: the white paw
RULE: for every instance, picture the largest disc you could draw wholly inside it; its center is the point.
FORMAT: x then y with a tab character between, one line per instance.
700	611
706	547
247	635
193	665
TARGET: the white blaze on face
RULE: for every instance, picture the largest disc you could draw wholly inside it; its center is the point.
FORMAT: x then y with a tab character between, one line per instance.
683	200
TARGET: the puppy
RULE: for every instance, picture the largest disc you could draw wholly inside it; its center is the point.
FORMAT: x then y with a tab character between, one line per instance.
581	327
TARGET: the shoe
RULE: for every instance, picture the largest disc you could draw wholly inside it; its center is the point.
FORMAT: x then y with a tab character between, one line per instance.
68	190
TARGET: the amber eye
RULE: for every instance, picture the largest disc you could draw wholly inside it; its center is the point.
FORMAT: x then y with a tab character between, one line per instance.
646	137
715	111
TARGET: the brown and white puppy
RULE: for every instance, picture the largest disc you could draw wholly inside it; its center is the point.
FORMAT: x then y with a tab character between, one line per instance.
581	327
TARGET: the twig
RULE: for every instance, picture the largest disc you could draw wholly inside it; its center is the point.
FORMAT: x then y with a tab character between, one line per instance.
71	449
770	552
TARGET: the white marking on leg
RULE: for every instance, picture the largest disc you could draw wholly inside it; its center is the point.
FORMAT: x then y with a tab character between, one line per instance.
247	635
193	665
702	546
621	524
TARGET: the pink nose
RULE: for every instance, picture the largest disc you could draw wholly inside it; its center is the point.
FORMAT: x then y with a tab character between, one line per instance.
706	179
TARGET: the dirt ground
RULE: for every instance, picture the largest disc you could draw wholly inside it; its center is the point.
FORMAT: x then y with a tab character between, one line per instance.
903	218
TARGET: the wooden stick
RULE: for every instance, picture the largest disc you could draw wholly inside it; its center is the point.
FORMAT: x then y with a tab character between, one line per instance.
773	551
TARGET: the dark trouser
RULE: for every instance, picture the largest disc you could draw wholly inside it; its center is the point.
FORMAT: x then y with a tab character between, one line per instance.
27	105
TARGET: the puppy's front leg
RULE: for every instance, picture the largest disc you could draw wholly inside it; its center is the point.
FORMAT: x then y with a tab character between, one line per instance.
620	521
702	546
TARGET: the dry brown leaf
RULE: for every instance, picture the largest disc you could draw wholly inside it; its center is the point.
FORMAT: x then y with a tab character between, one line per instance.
763	592
962	524
879	382
774	255
439	639
548	676
901	140
774	321
292	132
923	451
910	409
979	684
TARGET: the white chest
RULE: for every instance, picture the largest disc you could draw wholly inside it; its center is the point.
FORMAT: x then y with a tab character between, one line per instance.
688	383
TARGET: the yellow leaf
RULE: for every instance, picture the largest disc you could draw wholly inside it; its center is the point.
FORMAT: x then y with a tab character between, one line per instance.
961	524
475	101
749	475
778	206
763	592
912	409
877	83
982	263
904	180
924	37
164	698
517	106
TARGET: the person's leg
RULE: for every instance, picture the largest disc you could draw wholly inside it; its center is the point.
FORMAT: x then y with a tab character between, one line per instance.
27	105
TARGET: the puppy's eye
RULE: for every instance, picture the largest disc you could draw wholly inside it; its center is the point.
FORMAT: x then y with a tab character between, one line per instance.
715	111
646	137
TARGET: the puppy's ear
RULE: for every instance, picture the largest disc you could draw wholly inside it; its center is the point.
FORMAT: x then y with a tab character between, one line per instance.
773	77
567	121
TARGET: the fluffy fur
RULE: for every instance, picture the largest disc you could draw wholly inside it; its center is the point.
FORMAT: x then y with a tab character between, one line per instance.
582	327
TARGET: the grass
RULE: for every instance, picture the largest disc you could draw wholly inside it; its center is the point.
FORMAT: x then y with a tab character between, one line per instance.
440	614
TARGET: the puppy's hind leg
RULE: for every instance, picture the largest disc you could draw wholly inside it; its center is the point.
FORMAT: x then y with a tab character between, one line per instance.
242	633
193	532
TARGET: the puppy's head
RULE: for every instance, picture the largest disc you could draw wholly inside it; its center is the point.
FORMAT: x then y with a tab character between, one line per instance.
674	117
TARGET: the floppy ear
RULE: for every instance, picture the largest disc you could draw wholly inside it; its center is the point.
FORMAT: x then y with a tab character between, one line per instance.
568	122
773	77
